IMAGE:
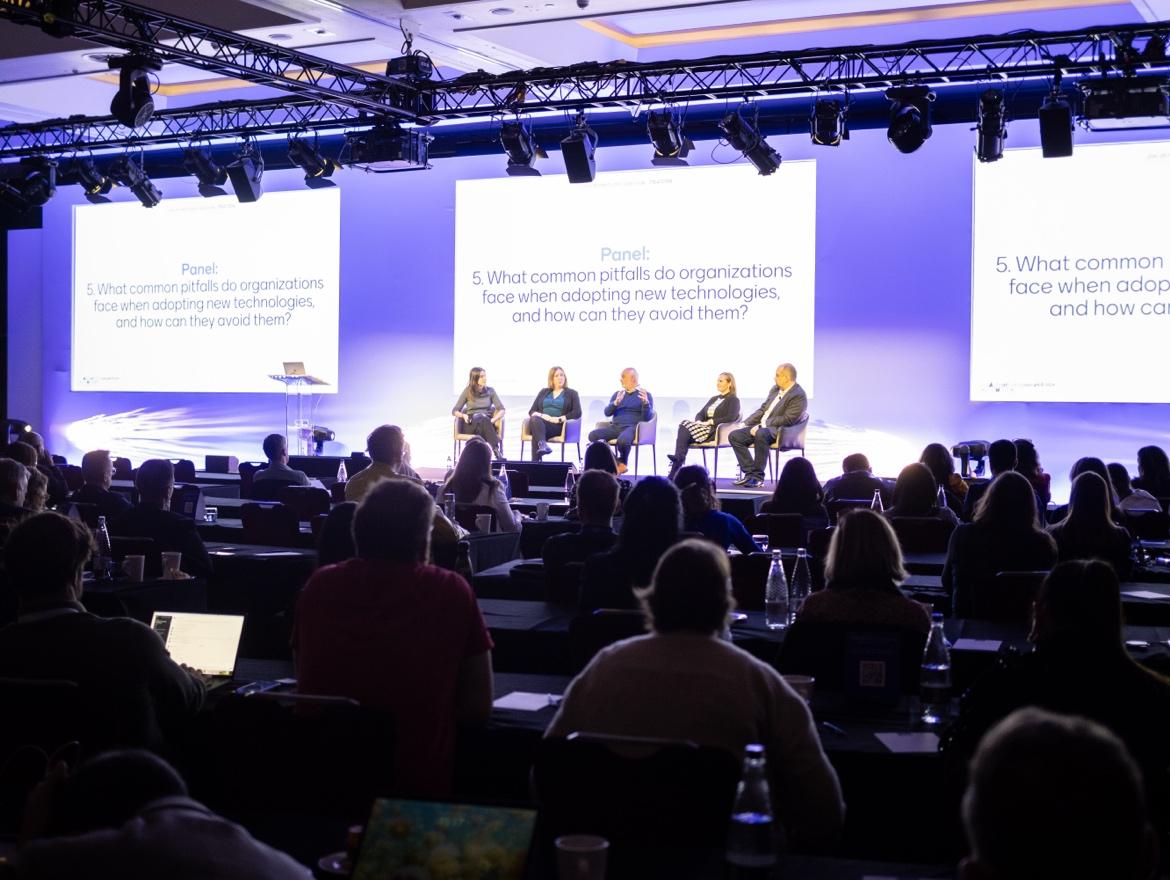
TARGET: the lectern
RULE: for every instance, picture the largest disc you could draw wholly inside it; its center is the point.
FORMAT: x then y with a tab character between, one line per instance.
299	431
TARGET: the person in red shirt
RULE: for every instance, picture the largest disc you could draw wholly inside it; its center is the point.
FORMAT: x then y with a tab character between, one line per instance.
394	633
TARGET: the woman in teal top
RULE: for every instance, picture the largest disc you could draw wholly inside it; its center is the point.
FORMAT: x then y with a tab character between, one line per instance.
553	406
480	409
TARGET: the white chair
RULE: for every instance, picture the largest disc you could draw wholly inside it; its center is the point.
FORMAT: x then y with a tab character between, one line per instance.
570	433
461	438
645	434
719	441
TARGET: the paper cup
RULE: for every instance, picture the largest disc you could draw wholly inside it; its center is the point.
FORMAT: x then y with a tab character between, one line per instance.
483	522
542	510
134	568
581	857
171	562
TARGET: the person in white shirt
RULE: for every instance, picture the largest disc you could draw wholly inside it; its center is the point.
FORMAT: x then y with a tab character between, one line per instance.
784	406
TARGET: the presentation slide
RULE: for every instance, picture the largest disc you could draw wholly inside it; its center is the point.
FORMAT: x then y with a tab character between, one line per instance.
680	272
206	294
1070	288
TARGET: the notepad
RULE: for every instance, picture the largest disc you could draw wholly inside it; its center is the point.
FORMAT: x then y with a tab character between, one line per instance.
526	702
977	644
917	742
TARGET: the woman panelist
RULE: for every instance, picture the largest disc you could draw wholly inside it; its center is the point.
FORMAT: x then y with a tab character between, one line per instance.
480	409
554	405
722	408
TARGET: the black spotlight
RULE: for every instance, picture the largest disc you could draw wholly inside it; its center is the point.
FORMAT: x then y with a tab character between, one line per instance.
317	168
992	127
1056	127
744	135
29	183
909	117
578	151
92	181
827	123
133	106
666	135
130	174
246	172
210	174
519	143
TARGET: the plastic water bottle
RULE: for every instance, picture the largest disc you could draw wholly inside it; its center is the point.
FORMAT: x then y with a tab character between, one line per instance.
776	595
751	836
450	470
103	560
342	475
503	477
801	583
570	480
941	501
935	684
876	505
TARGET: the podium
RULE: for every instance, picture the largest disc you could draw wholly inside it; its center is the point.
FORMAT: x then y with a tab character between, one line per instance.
299	431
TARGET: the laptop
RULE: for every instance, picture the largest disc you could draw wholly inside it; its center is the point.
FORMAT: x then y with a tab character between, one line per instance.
294	368
207	642
409	838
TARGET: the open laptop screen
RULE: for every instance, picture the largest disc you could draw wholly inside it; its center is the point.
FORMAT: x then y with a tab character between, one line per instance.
207	642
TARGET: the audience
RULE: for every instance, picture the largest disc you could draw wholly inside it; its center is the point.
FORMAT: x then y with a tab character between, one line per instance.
597	499
13	489
1088	464
152	518
131	692
335	543
37	494
1153	471
1053	796
856	481
701	511
942	467
58	492
863	577
20	451
683	682
394	633
278	472
799	491
1028	464
472	483
650	526
1088	532
1129	499
1005	536
97	472
916	494
599	457
1001	456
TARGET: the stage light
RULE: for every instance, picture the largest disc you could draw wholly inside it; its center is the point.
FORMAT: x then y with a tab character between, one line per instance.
578	151
320	434
1128	102
92	181
744	135
827	123
909	117
992	127
133	105
29	183
666	136
519	143
210	174
130	174
387	148
246	173
316	167
1056	126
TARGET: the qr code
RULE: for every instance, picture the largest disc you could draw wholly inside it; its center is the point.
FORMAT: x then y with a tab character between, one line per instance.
872	673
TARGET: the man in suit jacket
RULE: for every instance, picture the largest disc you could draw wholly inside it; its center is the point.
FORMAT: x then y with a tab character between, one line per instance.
857	481
785	405
97	470
153	518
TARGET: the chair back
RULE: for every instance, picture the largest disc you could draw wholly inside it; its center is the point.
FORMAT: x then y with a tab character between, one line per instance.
922	534
838	506
307	501
72	475
871	663
221	464
792	437
247	472
1149	526
268	490
646	433
1007	596
465	515
782	529
273	525
562	585
184	470
86	512
589	633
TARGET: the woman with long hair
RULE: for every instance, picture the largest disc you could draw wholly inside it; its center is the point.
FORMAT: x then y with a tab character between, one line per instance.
472	483
1153	471
555	404
480	409
942	467
1088	531
799	491
701	511
1028	464
720	409
916	494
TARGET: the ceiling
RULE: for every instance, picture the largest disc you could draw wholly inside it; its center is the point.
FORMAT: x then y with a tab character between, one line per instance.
42	77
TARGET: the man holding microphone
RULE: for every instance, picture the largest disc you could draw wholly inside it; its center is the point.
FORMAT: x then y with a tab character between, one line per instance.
629	405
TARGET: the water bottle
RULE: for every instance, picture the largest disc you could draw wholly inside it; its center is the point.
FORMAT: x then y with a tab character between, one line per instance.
751	837
935	684
503	477
450	470
342	475
801	583
103	560
876	505
570	480
463	560
941	501
776	595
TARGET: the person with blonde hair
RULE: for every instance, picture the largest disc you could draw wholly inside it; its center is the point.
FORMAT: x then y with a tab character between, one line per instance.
719	410
555	404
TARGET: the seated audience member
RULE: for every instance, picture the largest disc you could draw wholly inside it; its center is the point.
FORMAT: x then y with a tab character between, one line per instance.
127	814
20	451
599	457
683	682
856	481
278	471
1153	471
472	483
1055	796
1005	536
701	511
1079	666
1088	531
916	494
97	471
58	492
650	525
153	518
386	446
37	495
13	489
799	491
1089	464
863	578
942	467
597	498
394	633
1001	456
132	693
1129	499
335	543
1028	464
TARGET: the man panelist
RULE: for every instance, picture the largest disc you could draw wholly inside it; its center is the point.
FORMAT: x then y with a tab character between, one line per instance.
629	405
785	405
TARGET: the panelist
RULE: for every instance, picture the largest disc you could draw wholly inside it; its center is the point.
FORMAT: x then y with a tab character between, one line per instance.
785	404
628	406
553	406
480	409
722	408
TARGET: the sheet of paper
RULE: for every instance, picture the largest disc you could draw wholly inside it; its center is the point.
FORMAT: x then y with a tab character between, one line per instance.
976	644
917	742
526	702
279	553
1145	594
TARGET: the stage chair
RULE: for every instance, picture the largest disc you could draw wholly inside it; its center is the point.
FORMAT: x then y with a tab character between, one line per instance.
570	433
271	525
790	439
461	438
645	434
719	441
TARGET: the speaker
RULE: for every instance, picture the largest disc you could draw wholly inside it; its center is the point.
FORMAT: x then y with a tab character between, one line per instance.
1056	136
578	149
245	175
